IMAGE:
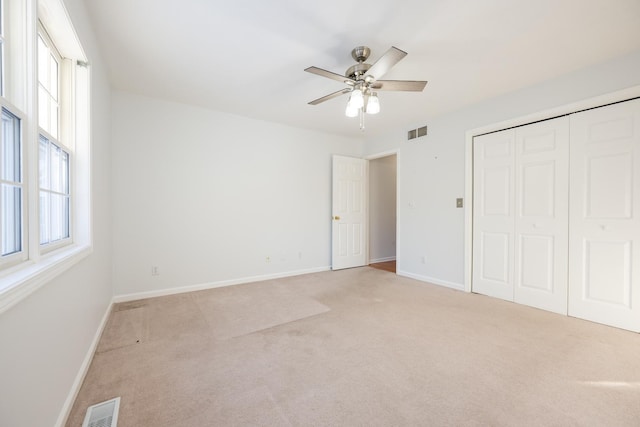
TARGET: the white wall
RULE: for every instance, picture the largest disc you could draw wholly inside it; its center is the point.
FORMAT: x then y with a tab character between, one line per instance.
207	196
44	339
382	208
432	168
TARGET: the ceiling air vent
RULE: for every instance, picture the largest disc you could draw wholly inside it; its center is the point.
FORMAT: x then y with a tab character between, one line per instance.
417	133
103	414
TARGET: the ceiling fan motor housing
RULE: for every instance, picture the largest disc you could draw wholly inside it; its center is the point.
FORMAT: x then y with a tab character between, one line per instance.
360	54
357	72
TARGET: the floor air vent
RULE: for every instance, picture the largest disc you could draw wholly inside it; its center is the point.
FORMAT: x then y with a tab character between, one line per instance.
103	414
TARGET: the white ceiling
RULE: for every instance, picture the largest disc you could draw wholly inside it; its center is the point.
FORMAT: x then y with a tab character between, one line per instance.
247	56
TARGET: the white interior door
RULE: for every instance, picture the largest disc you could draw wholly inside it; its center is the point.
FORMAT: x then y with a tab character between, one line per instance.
604	237
349	219
542	202
493	214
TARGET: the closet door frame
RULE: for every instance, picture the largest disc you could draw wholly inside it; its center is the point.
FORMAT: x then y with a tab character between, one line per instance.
599	101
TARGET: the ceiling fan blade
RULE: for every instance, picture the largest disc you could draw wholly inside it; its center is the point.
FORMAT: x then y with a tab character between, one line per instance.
330	96
329	74
401	85
385	62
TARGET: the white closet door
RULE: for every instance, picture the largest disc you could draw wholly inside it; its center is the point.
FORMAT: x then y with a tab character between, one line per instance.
540	243
604	237
493	218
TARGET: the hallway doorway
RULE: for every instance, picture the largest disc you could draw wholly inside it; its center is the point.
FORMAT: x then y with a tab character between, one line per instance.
382	212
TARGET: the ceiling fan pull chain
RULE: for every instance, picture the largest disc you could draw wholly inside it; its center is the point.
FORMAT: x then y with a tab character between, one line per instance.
362	119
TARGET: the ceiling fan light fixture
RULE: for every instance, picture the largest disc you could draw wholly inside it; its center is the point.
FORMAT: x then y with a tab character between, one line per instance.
373	104
351	111
356	100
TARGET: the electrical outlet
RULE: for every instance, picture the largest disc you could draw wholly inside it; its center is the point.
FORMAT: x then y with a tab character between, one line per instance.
459	202
155	271
267	259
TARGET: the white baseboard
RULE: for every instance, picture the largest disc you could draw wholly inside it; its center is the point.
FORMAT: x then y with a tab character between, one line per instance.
84	368
389	258
433	280
212	285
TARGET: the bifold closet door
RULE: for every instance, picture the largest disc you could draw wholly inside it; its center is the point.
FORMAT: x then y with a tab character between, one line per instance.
604	238
493	214
520	214
542	203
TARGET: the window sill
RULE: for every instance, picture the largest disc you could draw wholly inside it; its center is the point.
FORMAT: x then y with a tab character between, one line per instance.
22	280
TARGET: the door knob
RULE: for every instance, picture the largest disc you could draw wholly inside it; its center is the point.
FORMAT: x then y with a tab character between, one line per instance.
337	218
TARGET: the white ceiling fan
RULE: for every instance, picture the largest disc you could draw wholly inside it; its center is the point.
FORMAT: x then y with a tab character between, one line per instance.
363	80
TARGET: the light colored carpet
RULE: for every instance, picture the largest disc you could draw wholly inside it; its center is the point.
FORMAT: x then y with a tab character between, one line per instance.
358	347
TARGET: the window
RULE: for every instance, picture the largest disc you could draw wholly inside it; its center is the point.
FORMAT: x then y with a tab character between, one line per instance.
53	159
54	192
45	153
11	183
2	48
12	189
48	84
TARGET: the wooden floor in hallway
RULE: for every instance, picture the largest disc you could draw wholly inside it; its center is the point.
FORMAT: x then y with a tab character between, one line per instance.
386	266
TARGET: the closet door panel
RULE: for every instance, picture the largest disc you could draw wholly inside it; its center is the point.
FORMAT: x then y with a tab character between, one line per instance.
536	263
493	221
542	180
604	242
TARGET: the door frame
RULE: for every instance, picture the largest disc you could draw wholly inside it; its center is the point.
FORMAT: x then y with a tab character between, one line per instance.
379	155
598	101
